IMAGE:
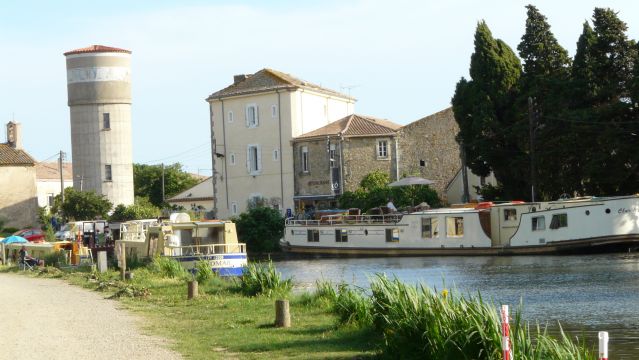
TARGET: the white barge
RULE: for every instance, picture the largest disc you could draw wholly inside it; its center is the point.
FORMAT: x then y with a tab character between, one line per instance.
580	225
188	242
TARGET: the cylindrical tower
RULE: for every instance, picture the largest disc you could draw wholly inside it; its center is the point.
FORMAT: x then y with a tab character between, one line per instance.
99	92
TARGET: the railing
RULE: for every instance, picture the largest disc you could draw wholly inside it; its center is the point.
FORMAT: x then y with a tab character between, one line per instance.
210	249
347	219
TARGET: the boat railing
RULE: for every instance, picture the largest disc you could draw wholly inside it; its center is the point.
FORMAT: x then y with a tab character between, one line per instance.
347	219
208	249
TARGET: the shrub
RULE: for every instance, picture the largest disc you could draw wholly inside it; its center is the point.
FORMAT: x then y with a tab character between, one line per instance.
167	267
261	229
263	278
56	259
202	271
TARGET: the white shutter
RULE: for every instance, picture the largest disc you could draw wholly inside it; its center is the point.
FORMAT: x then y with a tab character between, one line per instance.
259	158
257	117
246	116
248	159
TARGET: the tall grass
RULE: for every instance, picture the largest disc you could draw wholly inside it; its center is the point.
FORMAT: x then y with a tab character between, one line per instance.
263	278
202	271
417	322
167	267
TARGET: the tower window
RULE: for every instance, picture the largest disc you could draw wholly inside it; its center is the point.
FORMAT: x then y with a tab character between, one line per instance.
106	121
107	173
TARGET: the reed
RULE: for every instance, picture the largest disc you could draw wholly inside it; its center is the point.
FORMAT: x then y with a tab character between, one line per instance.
352	306
264	279
167	267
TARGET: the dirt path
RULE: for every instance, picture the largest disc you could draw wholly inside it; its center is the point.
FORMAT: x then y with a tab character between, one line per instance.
50	319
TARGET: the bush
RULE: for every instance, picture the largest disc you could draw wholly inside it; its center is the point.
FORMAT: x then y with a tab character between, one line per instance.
167	267
202	271
261	229
56	259
263	278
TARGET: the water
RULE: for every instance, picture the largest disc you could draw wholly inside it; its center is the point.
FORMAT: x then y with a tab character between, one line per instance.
586	293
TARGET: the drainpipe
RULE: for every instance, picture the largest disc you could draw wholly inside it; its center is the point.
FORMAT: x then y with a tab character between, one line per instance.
396	159
226	183
341	162
279	124
213	144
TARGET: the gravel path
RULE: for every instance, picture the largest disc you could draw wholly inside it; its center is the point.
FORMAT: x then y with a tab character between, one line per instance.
50	319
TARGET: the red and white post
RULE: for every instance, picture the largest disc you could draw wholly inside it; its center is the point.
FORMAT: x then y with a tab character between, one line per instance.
505	334
603	345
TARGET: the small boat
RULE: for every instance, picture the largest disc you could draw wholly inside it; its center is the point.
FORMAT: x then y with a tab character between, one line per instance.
186	241
578	225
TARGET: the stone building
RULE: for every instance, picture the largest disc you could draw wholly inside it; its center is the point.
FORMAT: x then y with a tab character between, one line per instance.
18	200
336	157
48	181
253	121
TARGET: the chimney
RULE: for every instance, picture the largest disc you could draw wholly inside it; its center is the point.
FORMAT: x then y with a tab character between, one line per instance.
239	78
14	135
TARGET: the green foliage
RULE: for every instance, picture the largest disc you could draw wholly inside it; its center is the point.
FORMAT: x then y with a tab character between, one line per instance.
147	181
264	279
141	209
261	228
203	271
81	205
352	306
375	180
167	267
56	259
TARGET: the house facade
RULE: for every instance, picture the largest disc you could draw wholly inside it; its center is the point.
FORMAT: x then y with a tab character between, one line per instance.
48	181
18	200
197	198
336	157
252	124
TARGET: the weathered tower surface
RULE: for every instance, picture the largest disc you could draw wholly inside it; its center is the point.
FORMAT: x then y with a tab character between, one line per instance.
99	91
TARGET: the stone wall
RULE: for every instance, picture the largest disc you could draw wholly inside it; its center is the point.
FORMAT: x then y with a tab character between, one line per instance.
360	159
428	149
18	196
317	180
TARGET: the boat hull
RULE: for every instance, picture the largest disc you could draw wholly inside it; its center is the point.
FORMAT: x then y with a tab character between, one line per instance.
623	243
232	264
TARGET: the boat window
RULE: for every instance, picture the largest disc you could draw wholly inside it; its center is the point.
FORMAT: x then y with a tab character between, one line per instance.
392	235
312	235
510	214
454	226
538	223
430	228
341	235
559	221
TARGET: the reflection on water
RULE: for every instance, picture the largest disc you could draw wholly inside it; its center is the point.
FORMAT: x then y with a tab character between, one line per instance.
587	293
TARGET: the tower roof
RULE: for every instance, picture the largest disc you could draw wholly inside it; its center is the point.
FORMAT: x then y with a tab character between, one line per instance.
96	49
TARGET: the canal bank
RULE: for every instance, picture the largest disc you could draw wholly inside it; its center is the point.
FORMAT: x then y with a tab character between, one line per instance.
585	293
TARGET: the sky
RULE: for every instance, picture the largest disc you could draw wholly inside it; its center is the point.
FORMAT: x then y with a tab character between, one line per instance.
399	59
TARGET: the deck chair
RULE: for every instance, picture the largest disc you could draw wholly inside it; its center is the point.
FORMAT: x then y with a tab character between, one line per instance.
24	265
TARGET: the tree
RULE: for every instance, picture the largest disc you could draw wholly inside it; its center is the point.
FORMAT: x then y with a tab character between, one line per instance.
147	181
491	128
374	180
82	205
261	228
141	209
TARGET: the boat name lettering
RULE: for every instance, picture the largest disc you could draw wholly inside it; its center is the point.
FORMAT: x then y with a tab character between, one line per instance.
626	211
221	263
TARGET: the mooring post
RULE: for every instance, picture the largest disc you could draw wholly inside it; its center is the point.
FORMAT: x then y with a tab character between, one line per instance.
603	345
282	314
505	334
193	291
122	261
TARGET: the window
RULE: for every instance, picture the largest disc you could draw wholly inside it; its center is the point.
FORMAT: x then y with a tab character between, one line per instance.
392	235
253	159
252	116
50	198
106	121
274	111
341	235
230	117
234	208
538	223
559	221
332	156
510	214
382	149
455	226
304	153
482	181
430	228
232	159
312	235
107	173
276	155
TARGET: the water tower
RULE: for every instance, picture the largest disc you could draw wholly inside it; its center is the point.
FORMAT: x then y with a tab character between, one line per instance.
99	91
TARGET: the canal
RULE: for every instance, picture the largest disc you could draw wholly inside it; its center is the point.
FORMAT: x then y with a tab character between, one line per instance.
586	293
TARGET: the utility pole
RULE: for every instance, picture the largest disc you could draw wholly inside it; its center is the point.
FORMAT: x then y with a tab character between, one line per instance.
61	176
163	181
531	125
466	195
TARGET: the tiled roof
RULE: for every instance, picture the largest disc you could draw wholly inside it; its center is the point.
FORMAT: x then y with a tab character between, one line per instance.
269	80
49	171
10	156
355	125
96	49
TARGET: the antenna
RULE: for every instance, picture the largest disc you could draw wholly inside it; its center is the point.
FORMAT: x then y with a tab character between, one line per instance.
348	87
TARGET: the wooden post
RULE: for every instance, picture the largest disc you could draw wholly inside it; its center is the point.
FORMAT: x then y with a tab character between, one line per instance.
3	256
282	314
122	261
193	292
102	261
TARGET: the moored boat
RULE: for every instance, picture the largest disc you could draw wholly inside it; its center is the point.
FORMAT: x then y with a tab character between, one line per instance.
580	225
188	242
